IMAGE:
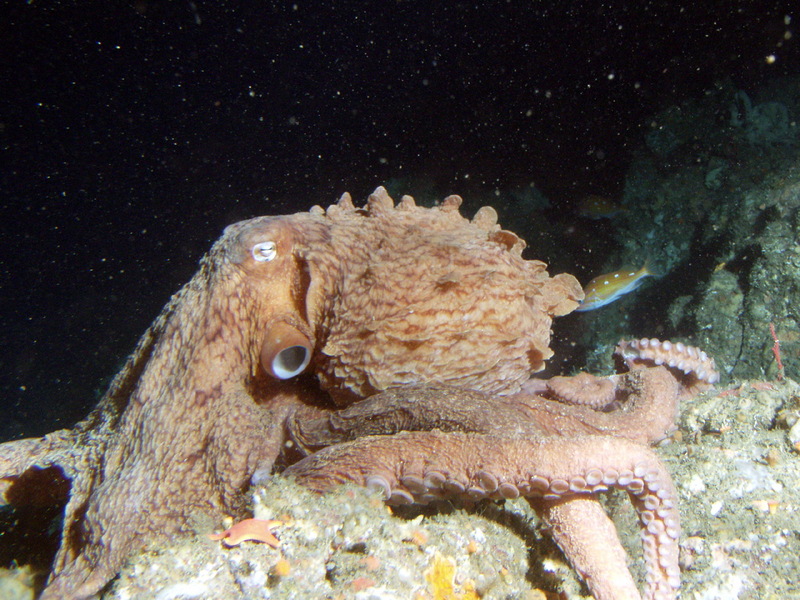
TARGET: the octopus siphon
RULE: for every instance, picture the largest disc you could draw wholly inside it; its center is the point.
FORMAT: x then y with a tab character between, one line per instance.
392	346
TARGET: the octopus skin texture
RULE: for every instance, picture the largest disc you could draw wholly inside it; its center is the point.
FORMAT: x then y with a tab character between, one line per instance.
304	314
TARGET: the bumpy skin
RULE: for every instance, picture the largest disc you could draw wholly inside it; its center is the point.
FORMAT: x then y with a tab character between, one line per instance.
433	299
386	297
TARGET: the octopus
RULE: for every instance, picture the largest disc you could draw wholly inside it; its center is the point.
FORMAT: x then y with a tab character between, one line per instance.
388	345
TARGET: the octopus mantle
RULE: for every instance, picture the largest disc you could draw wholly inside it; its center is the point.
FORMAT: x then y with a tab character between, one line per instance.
391	346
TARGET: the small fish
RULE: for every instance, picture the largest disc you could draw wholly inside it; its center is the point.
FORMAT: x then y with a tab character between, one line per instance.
599	207
606	288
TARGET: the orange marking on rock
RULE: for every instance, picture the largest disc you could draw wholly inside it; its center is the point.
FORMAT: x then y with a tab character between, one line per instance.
362	583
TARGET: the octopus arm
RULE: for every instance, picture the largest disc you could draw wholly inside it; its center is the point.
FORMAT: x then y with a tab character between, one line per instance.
411	408
579	525
649	404
420	467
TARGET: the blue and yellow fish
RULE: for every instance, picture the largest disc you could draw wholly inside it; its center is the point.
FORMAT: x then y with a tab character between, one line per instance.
604	289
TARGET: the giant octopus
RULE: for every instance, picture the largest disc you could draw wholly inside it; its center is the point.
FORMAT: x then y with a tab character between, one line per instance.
393	346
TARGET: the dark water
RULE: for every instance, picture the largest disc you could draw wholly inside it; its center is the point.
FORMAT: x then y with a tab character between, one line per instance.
132	132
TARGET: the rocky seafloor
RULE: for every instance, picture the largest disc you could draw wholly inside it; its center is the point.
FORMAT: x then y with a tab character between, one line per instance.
736	463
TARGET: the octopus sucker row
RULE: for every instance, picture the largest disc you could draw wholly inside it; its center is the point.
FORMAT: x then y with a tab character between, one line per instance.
582	389
657	501
405	469
651	351
662	572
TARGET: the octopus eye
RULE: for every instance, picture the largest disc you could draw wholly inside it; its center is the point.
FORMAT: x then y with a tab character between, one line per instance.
265	251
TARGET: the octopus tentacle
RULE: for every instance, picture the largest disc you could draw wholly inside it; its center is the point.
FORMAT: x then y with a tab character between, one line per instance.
420	467
582	389
577	525
697	368
648	405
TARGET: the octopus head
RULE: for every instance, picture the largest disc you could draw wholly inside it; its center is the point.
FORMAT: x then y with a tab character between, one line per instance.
273	286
